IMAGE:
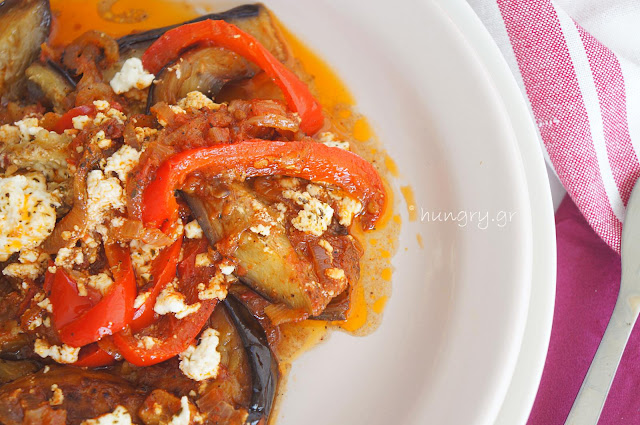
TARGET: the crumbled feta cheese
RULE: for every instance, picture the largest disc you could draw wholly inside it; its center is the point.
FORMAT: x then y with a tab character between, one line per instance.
177	109
172	301
335	274
202	362
105	193
31	264
67	257
197	100
215	289
141	299
60	353
203	260
120	416
27	213
102	105
81	121
227	269
332	141
122	162
326	245
192	230
184	416
148	342
315	216
315	190
131	75
261	229
289	182
347	208
103	117
142	256
45	304
35	323
28	127
282	210
101	282
58	397
101	140
144	133
117	222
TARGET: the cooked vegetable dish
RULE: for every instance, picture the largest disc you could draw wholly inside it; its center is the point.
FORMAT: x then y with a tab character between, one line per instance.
169	200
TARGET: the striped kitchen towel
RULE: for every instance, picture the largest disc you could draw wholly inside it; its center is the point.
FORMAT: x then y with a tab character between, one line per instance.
578	65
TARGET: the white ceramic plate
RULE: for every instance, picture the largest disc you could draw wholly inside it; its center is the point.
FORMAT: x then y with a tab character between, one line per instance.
442	101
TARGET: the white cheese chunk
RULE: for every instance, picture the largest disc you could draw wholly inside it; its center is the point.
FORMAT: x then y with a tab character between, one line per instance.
27	213
347	208
141	299
28	127
101	282
202	362
120	416
122	162
81	121
215	289
31	264
184	416
142	256
58	397
172	301
196	100
315	216
261	230
60	353
330	139
192	230
105	193
132	75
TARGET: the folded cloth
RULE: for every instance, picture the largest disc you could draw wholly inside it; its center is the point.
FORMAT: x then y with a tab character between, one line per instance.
587	288
584	96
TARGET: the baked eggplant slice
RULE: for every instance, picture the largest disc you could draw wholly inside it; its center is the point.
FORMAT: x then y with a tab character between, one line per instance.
87	394
271	265
210	68
51	84
264	367
24	26
206	70
237	13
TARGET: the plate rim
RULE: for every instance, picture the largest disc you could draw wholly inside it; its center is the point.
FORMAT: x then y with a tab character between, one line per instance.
518	401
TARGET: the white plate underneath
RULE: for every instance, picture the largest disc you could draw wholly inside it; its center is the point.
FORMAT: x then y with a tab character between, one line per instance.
443	104
524	384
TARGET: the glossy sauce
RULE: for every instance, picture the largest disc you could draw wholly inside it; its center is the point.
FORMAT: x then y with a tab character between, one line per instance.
371	293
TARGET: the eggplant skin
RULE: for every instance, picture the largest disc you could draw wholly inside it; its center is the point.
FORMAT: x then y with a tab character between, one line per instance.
24	26
264	366
87	394
206	70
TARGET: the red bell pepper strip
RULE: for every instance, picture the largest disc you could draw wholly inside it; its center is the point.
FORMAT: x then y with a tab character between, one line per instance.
253	158
172	336
113	312
223	34
65	122
66	303
163	270
93	356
